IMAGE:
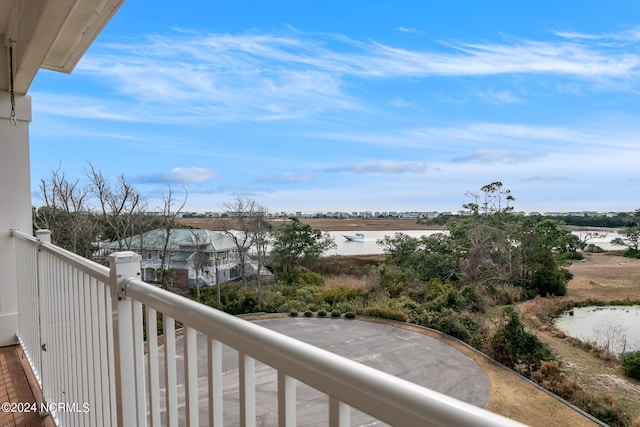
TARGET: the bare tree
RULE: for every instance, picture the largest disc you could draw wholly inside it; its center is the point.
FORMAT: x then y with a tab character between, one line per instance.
169	215
201	260
66	214
240	228
118	205
261	230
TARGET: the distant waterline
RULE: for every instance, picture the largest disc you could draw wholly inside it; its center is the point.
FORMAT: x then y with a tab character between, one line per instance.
370	247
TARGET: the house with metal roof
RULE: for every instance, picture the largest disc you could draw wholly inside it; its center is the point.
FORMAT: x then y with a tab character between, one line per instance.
195	256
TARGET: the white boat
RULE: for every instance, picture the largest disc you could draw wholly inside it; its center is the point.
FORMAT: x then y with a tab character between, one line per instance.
358	237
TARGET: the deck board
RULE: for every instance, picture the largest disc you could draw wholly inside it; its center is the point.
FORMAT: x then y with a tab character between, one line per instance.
15	387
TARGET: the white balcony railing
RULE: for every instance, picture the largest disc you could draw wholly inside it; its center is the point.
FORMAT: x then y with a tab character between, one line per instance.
83	328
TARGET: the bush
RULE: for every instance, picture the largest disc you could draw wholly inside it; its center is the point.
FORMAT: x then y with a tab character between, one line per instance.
308	313
550	281
594	249
384	313
322	313
514	347
306	277
631	364
462	325
350	315
335	313
293	313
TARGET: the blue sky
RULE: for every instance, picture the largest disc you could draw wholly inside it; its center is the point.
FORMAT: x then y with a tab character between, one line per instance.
354	105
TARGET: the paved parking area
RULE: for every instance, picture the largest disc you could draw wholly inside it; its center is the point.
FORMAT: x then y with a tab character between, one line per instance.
411	356
408	355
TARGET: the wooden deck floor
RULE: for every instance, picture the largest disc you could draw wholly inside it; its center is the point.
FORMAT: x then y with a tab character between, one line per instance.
18	385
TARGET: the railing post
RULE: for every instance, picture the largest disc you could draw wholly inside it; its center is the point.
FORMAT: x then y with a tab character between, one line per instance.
124	265
43	236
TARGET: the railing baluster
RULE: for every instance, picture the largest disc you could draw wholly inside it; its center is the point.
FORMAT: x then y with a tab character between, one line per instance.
339	413
286	400
214	362
56	337
191	375
138	358
111	350
247	367
94	334
104	391
170	377
68	348
84	351
152	362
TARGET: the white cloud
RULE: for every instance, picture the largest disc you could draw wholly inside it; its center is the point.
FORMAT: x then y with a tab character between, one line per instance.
631	35
259	77
383	167
189	175
499	97
408	30
495	156
287	178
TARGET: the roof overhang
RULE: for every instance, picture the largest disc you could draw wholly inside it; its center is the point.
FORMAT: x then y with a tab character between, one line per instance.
48	34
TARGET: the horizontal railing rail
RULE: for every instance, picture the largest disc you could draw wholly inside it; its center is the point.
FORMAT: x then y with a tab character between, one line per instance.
385	397
98	344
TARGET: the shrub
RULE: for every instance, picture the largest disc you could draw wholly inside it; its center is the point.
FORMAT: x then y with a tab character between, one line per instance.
462	325
322	313
511	345
293	313
550	281
335	313
350	315
384	313
631	364
335	294
306	277
591	248
308	313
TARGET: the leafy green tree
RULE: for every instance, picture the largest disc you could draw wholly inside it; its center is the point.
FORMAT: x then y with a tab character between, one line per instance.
428	256
547	256
516	348
297	244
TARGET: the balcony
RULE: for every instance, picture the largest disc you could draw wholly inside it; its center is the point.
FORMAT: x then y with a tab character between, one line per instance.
83	329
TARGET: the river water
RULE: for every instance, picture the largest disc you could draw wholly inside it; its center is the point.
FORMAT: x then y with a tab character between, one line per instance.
370	247
616	328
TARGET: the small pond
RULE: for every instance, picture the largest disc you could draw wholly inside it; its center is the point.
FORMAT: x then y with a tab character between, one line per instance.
616	328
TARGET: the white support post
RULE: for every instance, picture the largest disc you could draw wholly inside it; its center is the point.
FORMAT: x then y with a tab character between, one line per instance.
15	205
124	265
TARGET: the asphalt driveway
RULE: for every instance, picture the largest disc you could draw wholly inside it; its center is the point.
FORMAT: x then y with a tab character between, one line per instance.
405	354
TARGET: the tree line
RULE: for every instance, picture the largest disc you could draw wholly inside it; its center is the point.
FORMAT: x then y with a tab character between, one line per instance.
82	213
